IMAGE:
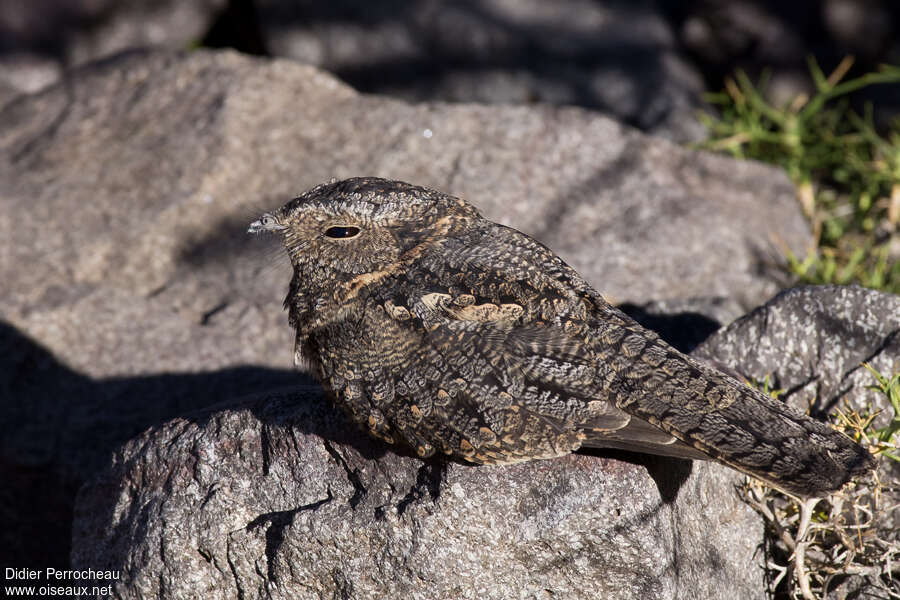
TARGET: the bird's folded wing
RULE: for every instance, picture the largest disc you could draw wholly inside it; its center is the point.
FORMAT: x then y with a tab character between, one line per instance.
566	355
552	375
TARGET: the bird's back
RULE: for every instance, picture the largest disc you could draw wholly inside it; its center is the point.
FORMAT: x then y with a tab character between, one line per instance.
589	375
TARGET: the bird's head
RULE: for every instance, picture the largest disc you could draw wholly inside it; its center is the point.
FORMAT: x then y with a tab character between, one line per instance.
342	229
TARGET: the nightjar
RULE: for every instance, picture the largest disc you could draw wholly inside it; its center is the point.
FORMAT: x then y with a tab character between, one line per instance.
434	327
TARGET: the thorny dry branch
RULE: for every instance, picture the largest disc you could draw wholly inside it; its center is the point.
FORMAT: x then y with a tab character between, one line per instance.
846	545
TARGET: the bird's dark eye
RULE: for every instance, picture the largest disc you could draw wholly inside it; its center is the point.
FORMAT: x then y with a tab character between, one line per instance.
342	232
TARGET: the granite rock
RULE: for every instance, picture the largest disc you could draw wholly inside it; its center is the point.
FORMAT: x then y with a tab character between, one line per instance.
811	342
276	498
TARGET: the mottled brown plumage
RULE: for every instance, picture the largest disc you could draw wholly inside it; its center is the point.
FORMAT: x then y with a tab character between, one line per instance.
437	328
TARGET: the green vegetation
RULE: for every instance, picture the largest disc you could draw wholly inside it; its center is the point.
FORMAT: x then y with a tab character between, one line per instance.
847	173
890	389
848	540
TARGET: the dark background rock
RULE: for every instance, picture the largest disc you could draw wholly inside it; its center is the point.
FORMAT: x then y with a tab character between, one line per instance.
621	58
40	39
778	37
644	62
133	295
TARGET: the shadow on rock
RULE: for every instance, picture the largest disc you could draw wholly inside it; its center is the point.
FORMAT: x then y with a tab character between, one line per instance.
669	474
59	427
448	48
684	330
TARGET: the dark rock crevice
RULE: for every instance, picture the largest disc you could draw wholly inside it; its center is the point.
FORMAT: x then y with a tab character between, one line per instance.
353	476
275	524
428	483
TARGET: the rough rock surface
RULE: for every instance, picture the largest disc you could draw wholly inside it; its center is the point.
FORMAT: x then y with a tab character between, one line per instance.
278	499
811	343
132	295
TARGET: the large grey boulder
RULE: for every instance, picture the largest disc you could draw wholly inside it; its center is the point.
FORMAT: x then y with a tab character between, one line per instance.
812	344
132	296
167	155
281	498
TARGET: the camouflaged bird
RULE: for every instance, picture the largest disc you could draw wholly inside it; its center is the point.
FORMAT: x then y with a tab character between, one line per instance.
435	327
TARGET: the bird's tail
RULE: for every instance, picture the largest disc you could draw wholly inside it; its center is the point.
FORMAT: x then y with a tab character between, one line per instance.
735	424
